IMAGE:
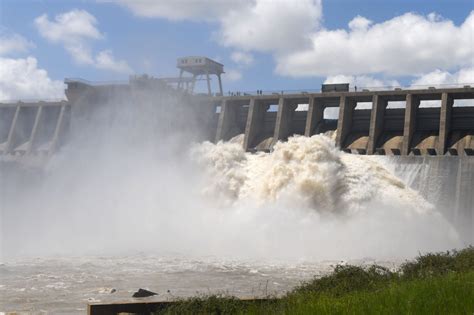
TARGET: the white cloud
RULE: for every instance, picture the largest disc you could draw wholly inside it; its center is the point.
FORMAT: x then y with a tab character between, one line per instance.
409	44
270	25
70	26
233	75
13	43
74	30
242	58
441	78
22	79
406	45
80	53
359	23
245	24
106	60
197	10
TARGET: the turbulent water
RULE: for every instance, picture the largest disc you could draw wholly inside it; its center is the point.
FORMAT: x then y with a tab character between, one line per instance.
118	210
242	222
65	285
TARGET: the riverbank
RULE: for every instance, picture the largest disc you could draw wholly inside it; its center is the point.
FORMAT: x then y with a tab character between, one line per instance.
440	283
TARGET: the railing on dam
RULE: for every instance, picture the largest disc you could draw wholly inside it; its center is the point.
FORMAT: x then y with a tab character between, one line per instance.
350	88
432	121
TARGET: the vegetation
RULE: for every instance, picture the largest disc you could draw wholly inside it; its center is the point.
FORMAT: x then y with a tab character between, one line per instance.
441	283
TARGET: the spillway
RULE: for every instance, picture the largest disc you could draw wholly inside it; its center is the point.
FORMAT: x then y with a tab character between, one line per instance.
447	182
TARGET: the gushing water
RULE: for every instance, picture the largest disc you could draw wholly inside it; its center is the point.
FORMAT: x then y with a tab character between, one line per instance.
144	200
309	200
305	200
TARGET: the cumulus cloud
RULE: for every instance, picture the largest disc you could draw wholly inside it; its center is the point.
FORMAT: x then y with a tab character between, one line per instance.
272	26
409	44
242	58
105	60
359	23
245	24
292	31
70	26
13	43
233	75
443	78
198	10
74	30
22	79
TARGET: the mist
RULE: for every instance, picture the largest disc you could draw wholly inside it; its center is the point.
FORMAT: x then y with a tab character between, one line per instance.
134	177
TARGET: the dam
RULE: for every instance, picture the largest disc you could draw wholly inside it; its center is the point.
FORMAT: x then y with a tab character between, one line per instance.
38	128
428	132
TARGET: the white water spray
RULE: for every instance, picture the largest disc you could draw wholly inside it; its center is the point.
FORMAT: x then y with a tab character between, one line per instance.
123	193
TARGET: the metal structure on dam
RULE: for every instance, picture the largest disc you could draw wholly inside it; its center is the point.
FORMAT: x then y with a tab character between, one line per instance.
440	136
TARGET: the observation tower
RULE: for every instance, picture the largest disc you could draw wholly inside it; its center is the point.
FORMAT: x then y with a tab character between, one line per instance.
198	67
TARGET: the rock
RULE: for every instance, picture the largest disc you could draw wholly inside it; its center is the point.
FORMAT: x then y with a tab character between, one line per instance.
107	290
143	293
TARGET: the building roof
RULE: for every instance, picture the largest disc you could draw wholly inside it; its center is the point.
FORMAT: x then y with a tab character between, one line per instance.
199	65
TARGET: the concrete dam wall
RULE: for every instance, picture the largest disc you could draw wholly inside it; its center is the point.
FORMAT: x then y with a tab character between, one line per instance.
407	129
447	182
443	128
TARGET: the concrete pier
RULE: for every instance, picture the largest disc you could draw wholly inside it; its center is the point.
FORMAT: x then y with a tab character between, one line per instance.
407	130
344	123
412	104
445	122
232	119
254	122
284	118
379	104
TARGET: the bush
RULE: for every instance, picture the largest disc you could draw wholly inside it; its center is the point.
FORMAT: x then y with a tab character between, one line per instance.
439	264
432	283
347	279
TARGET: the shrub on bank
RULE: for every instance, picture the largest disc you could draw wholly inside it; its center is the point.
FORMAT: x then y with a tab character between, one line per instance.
439	283
439	264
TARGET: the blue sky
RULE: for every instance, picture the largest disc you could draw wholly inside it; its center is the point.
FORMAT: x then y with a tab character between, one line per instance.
295	44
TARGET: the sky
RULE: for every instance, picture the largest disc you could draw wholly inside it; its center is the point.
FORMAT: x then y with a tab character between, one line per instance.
263	44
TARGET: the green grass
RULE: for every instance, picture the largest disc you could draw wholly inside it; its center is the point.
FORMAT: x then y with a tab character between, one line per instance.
448	294
441	283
